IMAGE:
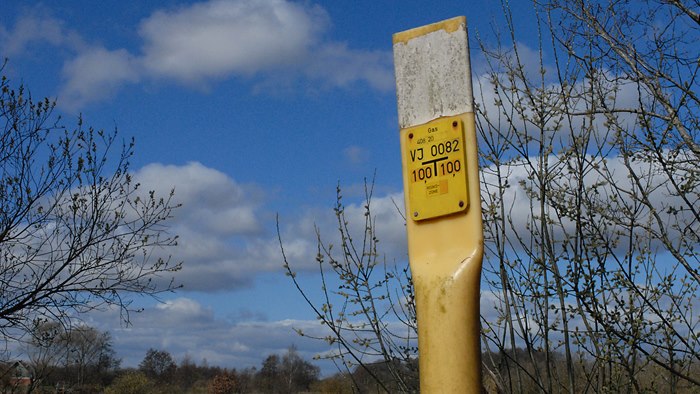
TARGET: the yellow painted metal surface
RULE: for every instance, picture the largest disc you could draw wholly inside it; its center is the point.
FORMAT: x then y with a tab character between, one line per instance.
445	244
445	256
436	168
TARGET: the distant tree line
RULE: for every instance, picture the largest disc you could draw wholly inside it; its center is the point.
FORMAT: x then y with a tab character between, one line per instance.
82	360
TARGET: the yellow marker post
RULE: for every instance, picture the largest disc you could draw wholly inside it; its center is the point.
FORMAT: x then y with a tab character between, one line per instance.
443	205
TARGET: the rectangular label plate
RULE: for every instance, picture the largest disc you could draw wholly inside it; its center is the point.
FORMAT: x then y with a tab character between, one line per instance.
436	174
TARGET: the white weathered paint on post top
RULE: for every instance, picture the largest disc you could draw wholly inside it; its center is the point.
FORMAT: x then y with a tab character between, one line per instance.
433	77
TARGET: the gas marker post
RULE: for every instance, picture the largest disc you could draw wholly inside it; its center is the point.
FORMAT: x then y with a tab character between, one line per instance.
442	199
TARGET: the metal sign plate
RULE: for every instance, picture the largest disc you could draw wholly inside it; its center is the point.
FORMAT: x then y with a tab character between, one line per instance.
436	174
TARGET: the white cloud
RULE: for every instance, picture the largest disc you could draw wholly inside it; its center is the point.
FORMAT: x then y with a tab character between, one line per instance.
183	326
221	37
96	74
184	307
612	195
334	64
226	238
389	222
198	44
299	234
37	26
218	226
510	109
212	201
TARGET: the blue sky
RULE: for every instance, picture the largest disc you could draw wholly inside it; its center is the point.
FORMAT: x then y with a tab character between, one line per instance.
249	109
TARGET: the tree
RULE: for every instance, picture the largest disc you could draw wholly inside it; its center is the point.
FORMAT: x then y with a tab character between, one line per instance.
187	373
79	356
158	365
367	307
89	354
337	384
268	377
132	382
591	203
601	269
46	350
296	373
288	374
223	383
76	231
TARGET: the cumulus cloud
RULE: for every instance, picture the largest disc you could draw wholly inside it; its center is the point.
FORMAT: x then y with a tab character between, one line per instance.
197	44
95	74
612	177
507	107
38	26
221	37
184	327
299	235
226	236
218	225
212	201
334	64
